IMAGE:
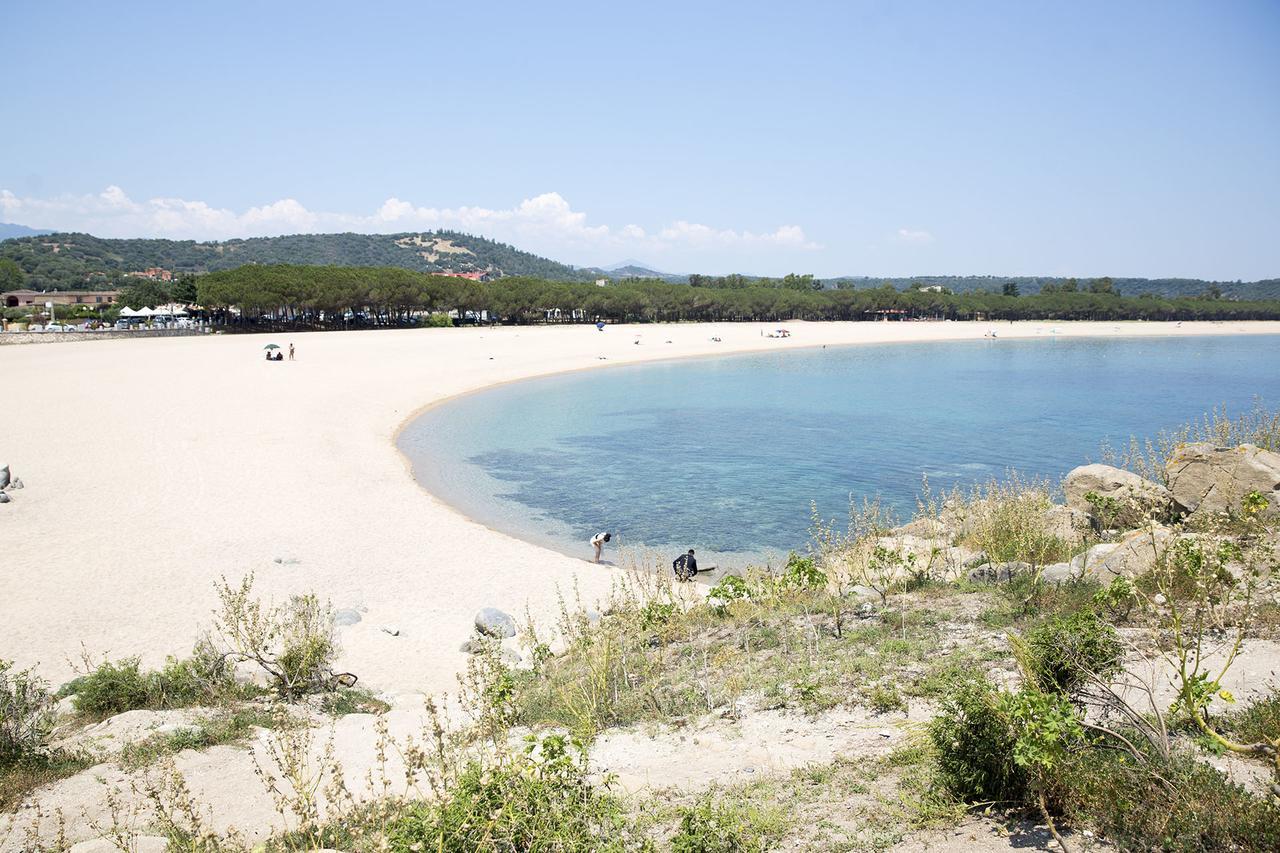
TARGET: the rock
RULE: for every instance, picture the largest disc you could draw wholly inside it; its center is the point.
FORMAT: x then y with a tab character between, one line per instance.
1136	497
4	477
1067	523
495	623
1159	599
977	560
17	483
509	657
998	572
866	610
1205	479
175	728
4	498
1059	573
390	629
1132	556
924	528
346	616
1080	563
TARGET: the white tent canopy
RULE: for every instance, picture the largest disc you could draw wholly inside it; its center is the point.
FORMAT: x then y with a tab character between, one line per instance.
173	310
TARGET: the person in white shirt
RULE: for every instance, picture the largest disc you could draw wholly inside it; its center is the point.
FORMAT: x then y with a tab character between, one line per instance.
598	541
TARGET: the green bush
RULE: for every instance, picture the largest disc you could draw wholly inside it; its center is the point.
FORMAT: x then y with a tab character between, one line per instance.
436	321
539	799
115	687
1180	804
1064	651
975	741
710	827
803	573
26	713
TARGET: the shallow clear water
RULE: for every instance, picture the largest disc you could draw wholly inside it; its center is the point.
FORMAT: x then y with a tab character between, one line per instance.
725	454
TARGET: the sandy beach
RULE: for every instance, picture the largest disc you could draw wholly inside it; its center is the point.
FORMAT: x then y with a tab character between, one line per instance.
154	466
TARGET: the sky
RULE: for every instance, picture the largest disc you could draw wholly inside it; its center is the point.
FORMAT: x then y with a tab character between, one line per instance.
841	138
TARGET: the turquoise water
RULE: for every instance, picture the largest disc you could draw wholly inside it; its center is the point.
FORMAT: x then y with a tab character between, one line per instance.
725	454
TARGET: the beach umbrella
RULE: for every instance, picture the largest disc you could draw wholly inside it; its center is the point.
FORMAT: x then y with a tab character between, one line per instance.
272	346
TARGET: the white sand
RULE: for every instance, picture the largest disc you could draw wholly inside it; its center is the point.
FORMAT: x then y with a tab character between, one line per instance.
154	466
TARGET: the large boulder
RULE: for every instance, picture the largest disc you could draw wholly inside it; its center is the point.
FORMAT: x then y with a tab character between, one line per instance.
938	555
4	477
1136	554
1067	523
1206	479
1059	573
1082	563
1135	498
494	623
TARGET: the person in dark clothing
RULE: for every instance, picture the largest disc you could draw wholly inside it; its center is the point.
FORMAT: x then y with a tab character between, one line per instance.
685	566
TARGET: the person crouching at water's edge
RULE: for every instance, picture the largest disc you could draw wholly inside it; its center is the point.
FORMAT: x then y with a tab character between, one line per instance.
685	566
598	541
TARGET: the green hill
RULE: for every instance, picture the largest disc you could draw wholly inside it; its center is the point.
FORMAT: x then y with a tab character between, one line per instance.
68	261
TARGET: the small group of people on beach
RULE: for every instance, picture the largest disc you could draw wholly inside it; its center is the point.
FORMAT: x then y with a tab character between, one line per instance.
278	355
685	566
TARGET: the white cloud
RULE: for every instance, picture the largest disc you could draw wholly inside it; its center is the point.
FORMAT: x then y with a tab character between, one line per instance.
545	223
907	235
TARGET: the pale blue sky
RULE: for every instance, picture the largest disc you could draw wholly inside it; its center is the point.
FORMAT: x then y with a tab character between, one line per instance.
878	138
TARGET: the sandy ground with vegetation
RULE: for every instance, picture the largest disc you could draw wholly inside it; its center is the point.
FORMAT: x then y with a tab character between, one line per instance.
152	467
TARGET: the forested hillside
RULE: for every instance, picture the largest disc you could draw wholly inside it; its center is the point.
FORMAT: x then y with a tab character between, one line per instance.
68	261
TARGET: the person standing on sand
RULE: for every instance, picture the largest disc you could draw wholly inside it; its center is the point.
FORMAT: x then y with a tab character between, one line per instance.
291	352
598	541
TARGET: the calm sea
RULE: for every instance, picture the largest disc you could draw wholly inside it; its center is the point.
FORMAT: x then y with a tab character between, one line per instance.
725	454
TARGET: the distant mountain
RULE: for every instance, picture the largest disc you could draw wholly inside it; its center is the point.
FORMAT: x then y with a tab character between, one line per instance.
82	260
9	230
635	269
1262	289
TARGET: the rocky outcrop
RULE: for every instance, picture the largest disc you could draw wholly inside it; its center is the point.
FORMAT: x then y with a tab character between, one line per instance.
1134	497
1134	555
1206	479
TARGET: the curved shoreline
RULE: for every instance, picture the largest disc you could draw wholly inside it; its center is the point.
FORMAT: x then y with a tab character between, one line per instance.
153	467
546	543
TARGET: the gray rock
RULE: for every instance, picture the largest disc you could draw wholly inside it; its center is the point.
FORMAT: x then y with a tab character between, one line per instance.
1134	555
4	477
4	498
998	572
865	610
495	623
1081	563
1067	523
17	484
1059	573
176	728
346	616
1206	479
1136	496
